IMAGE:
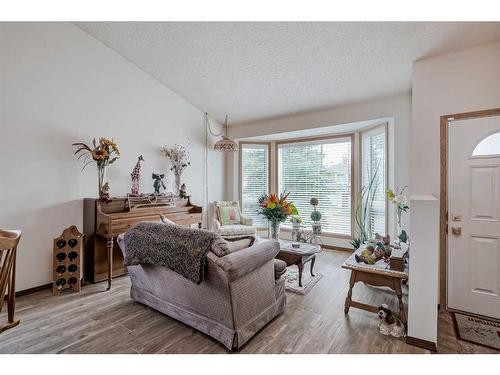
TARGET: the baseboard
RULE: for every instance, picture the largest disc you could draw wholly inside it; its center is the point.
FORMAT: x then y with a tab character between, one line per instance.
429	345
32	290
331	247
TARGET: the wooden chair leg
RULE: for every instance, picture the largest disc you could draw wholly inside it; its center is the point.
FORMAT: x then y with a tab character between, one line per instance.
399	294
11	297
348	299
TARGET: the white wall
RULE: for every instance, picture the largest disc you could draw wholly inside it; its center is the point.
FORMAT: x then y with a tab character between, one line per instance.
398	108
59	86
467	80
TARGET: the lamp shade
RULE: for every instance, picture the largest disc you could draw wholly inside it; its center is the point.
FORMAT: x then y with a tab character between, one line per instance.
226	144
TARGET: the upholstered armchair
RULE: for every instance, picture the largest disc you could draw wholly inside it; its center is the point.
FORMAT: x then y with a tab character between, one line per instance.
228	221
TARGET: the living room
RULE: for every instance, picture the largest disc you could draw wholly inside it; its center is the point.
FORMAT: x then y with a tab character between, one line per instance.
249	187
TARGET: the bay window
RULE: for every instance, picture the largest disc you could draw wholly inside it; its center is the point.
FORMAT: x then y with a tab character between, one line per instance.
254	170
319	169
374	174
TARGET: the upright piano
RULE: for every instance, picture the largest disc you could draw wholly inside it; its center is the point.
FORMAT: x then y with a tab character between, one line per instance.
104	221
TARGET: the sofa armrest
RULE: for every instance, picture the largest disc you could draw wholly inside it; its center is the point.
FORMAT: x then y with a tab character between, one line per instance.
244	261
246	221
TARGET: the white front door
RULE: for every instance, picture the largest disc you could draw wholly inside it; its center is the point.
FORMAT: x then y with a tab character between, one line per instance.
474	216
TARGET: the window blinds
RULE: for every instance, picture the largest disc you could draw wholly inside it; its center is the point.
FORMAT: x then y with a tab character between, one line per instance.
254	179
319	169
373	150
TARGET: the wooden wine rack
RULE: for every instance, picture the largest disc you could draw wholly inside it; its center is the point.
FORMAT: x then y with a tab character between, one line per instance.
67	263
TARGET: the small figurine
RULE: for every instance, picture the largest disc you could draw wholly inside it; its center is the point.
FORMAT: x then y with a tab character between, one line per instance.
389	323
384	243
385	240
183	191
158	182
104	193
136	175
403	237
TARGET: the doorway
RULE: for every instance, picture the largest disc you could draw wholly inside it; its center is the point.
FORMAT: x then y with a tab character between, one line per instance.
470	212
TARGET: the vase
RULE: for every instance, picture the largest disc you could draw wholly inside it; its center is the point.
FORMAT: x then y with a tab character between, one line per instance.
274	229
101	174
177	183
399	215
296	236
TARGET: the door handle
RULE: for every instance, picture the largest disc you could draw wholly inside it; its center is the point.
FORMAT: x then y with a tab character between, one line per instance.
456	231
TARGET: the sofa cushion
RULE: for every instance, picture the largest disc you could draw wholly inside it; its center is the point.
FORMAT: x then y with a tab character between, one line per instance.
236	244
229	215
220	247
279	268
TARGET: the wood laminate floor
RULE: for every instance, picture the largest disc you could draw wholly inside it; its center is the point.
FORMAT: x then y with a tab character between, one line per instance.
110	322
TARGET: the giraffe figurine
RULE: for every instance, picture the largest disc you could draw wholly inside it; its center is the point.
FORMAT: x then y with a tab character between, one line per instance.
135	175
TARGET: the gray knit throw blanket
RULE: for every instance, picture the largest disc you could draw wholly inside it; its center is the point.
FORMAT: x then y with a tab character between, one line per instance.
183	250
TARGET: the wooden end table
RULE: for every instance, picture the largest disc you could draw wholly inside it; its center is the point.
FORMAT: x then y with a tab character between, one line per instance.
375	275
299	257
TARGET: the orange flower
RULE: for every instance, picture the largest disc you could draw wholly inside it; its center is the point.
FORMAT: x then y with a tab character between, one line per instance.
99	154
273	198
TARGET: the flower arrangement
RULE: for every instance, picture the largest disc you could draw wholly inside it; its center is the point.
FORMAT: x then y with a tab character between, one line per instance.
401	203
179	160
103	153
276	209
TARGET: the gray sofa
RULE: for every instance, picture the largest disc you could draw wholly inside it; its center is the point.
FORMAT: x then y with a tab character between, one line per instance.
238	297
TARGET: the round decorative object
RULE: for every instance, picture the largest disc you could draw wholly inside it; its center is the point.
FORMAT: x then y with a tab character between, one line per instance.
226	144
315	216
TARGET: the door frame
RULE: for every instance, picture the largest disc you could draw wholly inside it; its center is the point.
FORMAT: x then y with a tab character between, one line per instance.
443	203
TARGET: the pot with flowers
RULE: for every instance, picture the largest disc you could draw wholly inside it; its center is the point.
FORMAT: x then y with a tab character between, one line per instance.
296	221
401	203
179	160
276	209
102	153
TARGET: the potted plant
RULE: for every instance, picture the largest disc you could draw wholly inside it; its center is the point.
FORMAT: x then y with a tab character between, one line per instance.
296	221
103	153
364	207
179	160
315	217
401	203
276	209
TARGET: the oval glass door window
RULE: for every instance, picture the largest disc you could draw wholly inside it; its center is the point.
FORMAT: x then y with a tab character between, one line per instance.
489	146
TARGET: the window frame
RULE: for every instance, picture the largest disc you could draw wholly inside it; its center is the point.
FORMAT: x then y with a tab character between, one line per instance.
240	171
385	126
350	136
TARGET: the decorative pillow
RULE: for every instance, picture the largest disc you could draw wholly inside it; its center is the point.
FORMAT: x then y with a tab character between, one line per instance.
229	215
220	247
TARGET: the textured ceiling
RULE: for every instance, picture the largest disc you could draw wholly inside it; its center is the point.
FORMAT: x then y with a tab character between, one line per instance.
258	70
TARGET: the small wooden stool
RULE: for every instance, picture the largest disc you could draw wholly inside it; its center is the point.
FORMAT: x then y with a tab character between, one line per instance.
8	247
